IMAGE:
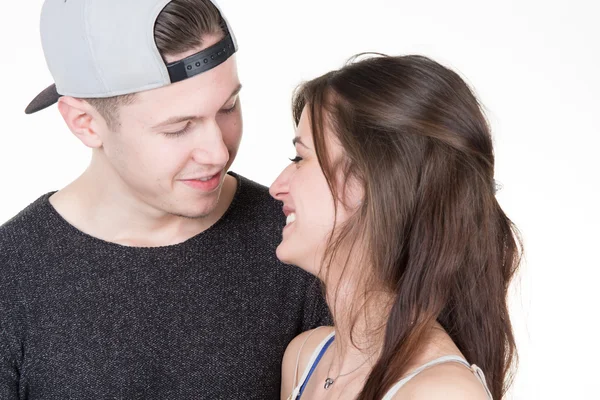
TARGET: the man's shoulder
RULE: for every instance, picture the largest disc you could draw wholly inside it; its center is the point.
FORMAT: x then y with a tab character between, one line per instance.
256	202
25	220
252	190
25	229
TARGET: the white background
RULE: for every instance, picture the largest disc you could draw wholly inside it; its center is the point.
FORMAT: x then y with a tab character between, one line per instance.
535	66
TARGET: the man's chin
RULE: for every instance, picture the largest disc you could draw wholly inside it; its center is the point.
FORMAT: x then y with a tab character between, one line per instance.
195	212
190	215
199	208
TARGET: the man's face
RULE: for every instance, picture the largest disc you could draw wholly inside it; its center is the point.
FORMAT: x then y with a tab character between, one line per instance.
174	144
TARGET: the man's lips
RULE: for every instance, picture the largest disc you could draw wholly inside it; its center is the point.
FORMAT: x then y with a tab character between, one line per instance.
204	184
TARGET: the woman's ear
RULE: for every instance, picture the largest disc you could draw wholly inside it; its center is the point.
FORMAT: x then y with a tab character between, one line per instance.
353	194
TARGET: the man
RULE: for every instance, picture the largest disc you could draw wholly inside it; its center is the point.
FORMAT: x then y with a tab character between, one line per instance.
153	275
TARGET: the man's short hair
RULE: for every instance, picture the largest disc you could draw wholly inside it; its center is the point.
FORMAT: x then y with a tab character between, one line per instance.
180	27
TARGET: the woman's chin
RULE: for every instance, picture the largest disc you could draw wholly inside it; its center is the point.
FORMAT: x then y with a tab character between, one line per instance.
283	253
287	257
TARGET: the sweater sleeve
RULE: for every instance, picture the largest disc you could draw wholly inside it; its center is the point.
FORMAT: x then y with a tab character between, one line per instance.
9	376
9	353
10	327
316	311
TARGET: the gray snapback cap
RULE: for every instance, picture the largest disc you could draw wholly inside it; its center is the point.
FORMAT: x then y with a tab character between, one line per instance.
105	48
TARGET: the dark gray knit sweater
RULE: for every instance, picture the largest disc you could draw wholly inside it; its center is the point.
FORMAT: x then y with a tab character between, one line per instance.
210	318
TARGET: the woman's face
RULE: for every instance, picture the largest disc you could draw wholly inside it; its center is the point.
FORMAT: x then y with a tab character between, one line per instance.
307	201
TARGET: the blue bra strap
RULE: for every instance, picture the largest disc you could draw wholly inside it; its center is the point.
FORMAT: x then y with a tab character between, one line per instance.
312	369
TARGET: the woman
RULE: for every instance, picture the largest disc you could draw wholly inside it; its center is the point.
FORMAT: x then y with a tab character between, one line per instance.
390	201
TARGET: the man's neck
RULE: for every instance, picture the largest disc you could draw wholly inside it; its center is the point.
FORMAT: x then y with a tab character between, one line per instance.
112	213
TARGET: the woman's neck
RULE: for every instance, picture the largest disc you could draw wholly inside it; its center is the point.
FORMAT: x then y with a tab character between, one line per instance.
360	322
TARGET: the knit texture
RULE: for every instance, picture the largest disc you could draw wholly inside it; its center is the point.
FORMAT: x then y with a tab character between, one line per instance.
210	318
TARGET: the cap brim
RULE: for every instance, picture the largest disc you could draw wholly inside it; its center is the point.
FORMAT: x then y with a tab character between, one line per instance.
43	100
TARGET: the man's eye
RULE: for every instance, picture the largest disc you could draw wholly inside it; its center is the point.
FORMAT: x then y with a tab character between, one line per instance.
229	110
178	133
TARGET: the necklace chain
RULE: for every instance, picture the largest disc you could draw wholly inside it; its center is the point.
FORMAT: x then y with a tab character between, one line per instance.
329	381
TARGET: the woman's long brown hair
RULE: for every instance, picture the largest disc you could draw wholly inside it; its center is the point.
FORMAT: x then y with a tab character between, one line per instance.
415	137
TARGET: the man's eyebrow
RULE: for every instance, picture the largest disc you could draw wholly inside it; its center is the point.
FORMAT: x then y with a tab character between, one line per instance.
181	118
235	92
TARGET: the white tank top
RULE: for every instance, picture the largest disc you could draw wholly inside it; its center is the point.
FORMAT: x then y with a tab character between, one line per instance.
322	347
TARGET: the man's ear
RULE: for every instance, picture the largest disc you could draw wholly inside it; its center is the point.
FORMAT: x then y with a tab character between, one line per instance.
83	120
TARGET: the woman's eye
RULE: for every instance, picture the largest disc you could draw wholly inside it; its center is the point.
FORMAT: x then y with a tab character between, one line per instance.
296	159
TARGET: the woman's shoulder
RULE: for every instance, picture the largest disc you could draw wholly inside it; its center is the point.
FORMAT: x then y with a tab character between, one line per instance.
298	354
448	381
303	346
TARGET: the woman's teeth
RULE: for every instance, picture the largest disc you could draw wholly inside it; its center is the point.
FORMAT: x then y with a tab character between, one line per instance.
290	218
